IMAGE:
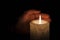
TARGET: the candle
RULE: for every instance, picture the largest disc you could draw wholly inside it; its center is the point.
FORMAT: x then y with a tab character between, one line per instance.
38	28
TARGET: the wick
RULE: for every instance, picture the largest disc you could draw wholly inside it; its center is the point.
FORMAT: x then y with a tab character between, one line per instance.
39	19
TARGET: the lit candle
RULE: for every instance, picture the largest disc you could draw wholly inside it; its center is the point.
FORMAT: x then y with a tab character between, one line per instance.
38	28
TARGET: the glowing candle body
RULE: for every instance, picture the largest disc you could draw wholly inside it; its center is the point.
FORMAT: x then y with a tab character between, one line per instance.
38	30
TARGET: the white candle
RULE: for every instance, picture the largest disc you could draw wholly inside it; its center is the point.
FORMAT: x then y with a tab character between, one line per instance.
38	27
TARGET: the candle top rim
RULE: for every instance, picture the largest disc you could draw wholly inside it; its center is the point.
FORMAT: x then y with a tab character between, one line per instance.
37	21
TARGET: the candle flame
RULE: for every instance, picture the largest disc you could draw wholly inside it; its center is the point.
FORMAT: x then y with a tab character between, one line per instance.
39	19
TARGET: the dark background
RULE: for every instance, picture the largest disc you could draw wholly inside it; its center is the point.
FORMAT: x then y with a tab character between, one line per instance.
45	6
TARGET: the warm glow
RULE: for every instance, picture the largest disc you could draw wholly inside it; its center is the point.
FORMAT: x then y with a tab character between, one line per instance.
39	19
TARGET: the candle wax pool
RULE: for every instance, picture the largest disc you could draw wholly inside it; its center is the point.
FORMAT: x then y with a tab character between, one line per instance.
37	22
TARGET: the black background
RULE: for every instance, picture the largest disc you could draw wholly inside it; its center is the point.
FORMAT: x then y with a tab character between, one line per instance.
16	9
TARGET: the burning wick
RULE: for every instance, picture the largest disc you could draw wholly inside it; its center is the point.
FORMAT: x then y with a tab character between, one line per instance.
40	19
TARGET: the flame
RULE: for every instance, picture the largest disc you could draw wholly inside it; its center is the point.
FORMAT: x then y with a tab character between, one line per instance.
39	19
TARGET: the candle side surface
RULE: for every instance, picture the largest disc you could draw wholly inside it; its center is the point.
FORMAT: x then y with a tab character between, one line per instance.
38	30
